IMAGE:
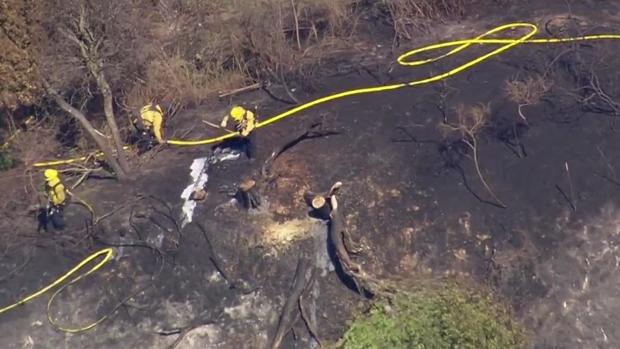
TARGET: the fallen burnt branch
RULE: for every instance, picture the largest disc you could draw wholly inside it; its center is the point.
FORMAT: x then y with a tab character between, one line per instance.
169	215
113	211
239	90
590	93
365	282
596	99
19	267
278	75
287	317
310	133
343	245
81	171
337	233
184	330
274	97
240	285
310	325
159	256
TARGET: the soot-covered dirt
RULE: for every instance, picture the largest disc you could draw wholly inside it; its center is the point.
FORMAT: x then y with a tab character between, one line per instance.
411	197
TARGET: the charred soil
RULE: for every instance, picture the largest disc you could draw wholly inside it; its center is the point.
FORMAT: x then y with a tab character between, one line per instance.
411	196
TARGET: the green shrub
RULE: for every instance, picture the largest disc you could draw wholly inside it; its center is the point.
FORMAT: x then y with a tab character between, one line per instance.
437	317
6	161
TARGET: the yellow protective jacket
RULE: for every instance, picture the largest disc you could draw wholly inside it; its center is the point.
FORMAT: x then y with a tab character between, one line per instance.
55	192
152	117
246	123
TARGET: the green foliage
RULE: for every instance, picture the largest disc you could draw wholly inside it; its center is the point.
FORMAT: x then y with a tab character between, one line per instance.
437	317
6	161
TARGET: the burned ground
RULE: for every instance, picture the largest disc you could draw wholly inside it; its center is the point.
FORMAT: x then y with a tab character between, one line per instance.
411	198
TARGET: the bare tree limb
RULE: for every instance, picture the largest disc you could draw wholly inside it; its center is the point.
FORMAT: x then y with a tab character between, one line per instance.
101	143
310	325
288	315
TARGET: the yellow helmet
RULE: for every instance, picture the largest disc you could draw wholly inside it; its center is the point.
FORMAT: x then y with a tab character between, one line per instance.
237	112
50	174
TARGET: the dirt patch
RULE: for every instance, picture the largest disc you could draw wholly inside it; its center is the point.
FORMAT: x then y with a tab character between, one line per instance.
283	234
289	183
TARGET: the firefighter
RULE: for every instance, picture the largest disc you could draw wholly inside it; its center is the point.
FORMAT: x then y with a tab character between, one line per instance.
149	127
56	200
245	123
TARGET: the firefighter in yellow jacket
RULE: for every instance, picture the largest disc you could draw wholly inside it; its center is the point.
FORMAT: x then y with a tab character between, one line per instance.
57	198
245	123
149	126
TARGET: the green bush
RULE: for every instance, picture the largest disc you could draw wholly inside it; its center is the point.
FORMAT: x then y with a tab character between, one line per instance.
6	161
437	317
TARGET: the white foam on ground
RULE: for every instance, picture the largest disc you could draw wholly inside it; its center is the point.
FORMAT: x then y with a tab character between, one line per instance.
198	172
199	178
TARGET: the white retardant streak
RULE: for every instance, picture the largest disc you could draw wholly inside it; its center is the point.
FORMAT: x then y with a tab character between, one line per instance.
198	172
199	178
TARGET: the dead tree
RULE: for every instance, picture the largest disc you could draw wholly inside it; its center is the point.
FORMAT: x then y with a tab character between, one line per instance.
88	44
102	143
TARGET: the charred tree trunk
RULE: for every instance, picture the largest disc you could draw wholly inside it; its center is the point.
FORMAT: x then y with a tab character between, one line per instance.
365	283
101	143
247	194
319	204
108	109
89	46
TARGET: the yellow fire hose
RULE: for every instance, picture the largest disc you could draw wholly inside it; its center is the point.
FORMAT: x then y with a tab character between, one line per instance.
107	255
404	59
